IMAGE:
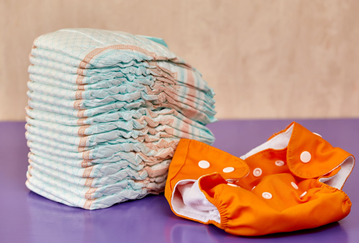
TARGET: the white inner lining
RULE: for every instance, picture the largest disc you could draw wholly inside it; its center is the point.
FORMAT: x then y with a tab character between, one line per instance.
278	142
189	201
338	180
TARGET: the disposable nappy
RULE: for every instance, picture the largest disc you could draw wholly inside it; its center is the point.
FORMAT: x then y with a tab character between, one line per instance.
291	182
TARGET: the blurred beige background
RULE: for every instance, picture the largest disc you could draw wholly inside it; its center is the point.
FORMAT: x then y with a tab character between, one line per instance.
264	58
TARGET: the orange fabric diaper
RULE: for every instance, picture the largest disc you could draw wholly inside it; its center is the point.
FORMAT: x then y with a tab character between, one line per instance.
291	182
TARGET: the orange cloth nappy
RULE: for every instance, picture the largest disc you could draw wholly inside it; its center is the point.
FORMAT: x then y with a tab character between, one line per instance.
291	182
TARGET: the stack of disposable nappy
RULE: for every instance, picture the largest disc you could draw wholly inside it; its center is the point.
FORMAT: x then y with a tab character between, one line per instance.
106	111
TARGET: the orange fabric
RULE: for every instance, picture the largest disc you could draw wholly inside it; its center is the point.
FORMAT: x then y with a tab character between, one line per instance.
184	163
326	156
270	196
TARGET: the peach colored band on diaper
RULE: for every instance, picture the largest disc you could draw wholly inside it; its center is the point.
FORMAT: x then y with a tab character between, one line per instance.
78	95
89	181
87	171
84	164
81	121
89	192
83	142
81	131
81	113
81	87
77	104
88	203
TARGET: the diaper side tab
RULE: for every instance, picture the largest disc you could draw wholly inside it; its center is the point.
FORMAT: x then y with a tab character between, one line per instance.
311	156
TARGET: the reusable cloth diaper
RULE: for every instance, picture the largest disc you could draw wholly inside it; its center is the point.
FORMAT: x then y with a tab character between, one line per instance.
291	182
106	111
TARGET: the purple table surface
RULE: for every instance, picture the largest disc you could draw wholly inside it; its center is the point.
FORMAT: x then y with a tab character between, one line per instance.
28	217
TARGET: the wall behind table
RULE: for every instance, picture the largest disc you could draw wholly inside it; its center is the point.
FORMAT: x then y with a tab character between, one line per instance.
264	59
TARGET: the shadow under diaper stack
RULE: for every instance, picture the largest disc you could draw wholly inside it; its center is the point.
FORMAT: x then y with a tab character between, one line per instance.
106	111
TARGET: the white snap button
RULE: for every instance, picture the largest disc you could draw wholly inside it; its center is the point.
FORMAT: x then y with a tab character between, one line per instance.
317	134
228	169
230	184
266	195
204	164
257	172
305	157
303	194
294	185
279	163
253	188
